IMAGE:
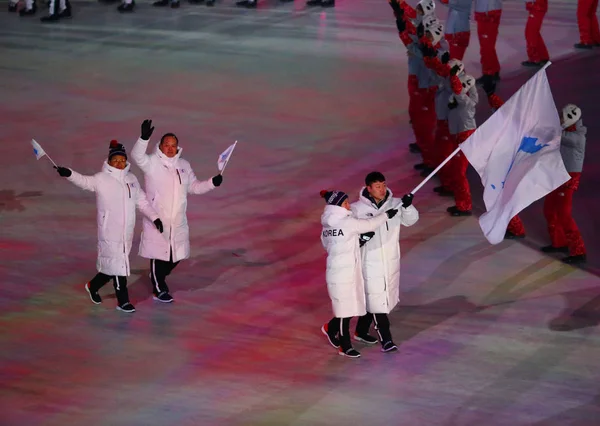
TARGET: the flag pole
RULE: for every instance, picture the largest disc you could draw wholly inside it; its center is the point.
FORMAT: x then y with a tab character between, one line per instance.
230	154
437	169
55	166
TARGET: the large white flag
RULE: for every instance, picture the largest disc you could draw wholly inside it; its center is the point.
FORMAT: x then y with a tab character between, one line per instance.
517	154
225	156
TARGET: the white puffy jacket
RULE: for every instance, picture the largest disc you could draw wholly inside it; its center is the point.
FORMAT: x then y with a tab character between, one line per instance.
344	276
118	192
381	254
167	181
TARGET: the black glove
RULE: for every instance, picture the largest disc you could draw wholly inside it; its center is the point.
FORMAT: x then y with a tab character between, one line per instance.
453	104
158	225
396	8
454	70
420	30
427	51
147	130
489	85
63	171
217	180
407	200
445	58
401	25
391	213
365	237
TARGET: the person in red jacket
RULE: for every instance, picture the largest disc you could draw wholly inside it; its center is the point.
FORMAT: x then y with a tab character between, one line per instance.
537	53
487	16
589	33
564	234
515	229
421	87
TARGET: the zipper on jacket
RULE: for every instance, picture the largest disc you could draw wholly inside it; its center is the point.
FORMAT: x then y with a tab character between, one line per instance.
386	226
129	190
179	176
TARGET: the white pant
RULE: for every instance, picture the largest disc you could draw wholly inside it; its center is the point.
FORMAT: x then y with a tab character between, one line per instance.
61	3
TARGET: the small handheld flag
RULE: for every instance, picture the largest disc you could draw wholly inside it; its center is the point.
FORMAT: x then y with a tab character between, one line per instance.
224	157
39	151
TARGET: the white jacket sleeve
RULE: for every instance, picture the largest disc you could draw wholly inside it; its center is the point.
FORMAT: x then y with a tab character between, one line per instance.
361	226
199	187
84	182
138	153
408	216
144	206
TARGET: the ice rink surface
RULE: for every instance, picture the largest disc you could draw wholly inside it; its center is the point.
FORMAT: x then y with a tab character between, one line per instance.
488	335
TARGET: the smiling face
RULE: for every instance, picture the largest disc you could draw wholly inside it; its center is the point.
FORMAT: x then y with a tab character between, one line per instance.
346	204
377	190
118	162
168	146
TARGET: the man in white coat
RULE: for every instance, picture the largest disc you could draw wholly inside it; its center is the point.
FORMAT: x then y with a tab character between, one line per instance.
169	178
344	277
381	257
118	192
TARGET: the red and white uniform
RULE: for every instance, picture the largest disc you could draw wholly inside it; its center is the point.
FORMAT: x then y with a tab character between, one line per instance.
487	16
588	22
458	26
558	204
536	48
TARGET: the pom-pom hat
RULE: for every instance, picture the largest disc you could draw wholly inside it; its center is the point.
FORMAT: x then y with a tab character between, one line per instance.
115	148
334	198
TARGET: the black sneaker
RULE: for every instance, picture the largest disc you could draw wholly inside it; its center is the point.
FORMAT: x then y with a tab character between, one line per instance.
27	12
94	296
331	3
126	7
389	346
532	64
366	338
333	341
175	4
350	353
250	4
50	18
163	297
584	46
420	166
414	148
552	249
313	3
454	211
12	7
161	3
65	13
575	260
511	236
126	307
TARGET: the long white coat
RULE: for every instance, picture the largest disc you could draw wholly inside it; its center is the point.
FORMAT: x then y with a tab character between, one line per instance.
344	275
168	181
381	254
118	192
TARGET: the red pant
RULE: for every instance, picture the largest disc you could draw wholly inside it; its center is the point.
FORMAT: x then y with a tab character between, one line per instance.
516	227
444	145
561	226
458	43
487	32
536	48
588	22
421	110
458	174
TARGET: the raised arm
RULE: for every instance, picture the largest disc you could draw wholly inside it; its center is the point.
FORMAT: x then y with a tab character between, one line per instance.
138	153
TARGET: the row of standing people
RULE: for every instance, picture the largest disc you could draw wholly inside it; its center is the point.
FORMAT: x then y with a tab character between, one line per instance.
165	239
362	239
61	9
442	96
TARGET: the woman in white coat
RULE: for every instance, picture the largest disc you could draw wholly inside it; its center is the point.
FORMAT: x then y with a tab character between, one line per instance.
381	258
169	178
344	275
118	192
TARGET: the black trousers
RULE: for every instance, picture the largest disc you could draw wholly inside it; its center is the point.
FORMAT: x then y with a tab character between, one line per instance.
159	270
382	326
341	327
120	284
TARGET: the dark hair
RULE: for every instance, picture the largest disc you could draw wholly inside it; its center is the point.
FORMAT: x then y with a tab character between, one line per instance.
166	135
374	177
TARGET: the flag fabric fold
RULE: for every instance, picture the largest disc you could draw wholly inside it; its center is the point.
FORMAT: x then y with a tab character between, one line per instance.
516	152
37	149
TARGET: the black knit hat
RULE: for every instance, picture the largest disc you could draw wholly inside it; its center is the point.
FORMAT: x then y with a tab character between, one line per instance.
334	198
115	148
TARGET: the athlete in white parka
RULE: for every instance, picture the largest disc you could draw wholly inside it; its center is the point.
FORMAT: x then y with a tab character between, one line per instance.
381	257
118	192
340	238
169	178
